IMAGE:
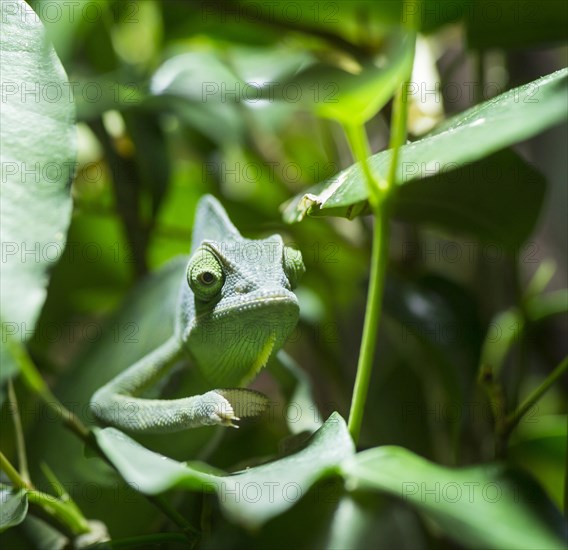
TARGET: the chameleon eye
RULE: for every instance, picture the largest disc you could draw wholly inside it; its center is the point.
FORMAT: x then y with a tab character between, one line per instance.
294	266
207	278
205	275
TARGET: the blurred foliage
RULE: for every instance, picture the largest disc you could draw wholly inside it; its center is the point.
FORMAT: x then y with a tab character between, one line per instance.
246	100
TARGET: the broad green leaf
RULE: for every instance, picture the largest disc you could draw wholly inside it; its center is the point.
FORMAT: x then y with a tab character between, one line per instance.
261	65
37	158
250	497
478	132
354	92
13	507
483	506
475	199
150	472
196	76
515	23
202	91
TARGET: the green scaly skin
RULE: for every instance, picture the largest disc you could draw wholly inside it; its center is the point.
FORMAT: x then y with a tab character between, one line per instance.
235	309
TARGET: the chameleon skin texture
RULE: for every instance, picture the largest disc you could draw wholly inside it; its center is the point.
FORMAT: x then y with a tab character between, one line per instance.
235	309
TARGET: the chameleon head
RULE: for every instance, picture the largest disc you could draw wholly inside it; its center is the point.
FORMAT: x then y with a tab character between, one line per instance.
238	307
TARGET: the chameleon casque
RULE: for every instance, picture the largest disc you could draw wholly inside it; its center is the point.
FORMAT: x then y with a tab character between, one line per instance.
235	309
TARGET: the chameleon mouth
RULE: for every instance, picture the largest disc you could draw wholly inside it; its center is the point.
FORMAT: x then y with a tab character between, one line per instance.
260	301
261	359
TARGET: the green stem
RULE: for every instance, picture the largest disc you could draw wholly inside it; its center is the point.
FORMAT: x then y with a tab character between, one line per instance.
58	489
12	473
514	417
379	258
20	441
398	131
357	138
378	195
37	385
69	516
66	514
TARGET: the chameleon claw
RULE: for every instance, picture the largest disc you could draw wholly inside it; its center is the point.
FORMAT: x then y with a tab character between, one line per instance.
229	421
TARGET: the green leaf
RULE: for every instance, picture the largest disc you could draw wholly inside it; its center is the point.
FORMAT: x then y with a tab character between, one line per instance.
147	471
37	157
355	92
505	329
478	132
14	507
250	497
475	199
202	91
543	306
511	23
483	506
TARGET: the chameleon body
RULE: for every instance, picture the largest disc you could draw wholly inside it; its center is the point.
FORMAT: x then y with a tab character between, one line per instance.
235	309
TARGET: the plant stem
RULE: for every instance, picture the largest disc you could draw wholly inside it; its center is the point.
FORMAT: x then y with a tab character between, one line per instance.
37	385
378	195
20	441
357	138
68	515
514	417
379	258
12	473
398	131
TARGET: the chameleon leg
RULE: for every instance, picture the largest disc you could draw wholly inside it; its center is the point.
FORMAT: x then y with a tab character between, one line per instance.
116	402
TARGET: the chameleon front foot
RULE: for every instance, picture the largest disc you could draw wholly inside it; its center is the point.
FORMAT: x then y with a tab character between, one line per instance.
217	410
225	407
243	403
